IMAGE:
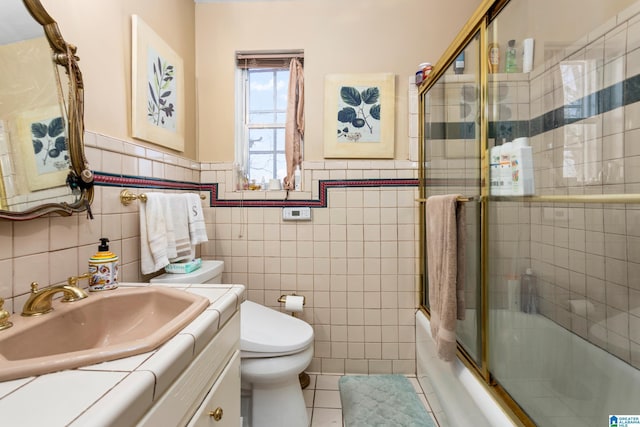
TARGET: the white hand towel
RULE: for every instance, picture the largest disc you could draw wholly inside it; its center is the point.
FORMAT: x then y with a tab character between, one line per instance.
197	227
167	212
179	204
153	234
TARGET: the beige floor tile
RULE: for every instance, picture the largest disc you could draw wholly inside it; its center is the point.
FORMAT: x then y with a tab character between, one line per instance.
327	399
327	382
309	415
308	395
326	417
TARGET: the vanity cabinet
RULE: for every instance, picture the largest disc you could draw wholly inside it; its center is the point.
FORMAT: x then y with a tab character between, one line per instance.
207	393
221	407
177	384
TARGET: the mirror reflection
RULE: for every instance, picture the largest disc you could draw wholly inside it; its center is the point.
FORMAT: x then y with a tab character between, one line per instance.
35	105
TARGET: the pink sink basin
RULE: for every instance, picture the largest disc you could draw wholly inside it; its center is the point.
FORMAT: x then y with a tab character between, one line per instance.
105	326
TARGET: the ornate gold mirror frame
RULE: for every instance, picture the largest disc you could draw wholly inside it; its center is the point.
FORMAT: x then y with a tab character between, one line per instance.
80	178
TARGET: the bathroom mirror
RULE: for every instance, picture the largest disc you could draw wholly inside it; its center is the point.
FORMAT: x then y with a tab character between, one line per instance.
43	168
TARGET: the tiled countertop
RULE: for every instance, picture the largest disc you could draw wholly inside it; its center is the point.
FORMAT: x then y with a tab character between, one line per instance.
122	389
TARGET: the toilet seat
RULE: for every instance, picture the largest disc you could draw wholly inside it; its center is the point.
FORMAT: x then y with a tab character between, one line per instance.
267	333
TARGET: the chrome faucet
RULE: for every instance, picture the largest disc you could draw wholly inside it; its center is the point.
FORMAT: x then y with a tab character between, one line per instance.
40	300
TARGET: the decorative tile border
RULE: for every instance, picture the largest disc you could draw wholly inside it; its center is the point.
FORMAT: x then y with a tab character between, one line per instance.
602	101
111	180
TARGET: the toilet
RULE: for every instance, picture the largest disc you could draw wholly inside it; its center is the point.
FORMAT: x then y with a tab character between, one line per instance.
274	349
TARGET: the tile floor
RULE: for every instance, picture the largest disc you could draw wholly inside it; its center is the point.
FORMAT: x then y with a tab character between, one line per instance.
323	400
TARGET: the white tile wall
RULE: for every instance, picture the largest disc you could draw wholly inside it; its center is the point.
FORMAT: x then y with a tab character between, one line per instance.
355	262
584	252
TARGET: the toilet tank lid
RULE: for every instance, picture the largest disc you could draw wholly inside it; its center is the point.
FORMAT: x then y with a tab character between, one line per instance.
208	270
265	330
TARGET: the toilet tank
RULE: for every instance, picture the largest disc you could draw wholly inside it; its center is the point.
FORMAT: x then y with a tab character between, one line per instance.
210	272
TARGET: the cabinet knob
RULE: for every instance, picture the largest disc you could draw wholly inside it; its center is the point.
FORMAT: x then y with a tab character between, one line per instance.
216	414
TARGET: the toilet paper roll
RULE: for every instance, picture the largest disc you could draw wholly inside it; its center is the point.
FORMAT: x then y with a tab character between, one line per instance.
294	303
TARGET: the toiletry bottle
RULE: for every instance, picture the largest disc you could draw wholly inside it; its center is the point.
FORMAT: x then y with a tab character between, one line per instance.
494	174
103	267
458	65
494	57
426	68
528	292
510	60
513	293
297	179
527	55
521	168
505	169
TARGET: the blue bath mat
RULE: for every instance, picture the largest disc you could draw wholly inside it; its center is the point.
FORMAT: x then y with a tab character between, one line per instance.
381	400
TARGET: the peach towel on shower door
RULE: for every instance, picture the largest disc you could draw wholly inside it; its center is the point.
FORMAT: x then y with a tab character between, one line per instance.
445	224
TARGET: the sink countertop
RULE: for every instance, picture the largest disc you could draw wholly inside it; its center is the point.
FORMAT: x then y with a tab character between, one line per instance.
122	389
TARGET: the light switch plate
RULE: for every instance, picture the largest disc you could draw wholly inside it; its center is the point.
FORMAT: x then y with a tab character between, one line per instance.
296	214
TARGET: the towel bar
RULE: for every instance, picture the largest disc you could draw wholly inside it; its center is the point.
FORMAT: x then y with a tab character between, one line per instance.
459	199
126	197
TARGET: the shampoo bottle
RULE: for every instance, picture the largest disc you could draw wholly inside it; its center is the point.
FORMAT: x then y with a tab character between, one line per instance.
513	293
528	292
511	60
494	57
494	180
458	65
527	55
505	175
103	267
522	183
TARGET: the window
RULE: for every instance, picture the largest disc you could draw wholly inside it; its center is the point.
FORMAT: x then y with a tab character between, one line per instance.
262	112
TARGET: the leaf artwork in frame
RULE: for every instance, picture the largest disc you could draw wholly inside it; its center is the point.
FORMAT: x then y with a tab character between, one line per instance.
50	149
161	101
42	144
359	114
157	89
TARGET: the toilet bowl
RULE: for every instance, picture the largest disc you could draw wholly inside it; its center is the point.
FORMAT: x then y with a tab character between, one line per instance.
274	349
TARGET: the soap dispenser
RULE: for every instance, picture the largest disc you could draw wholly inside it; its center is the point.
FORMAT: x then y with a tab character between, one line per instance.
103	267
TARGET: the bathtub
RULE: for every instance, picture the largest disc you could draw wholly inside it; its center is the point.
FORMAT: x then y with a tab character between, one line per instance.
557	377
457	397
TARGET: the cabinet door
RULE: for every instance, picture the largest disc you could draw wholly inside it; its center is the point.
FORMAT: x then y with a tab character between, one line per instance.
221	406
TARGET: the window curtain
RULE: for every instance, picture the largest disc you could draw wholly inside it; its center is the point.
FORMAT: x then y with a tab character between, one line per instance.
294	127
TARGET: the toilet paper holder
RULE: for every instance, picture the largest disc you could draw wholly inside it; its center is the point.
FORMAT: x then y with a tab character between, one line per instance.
283	299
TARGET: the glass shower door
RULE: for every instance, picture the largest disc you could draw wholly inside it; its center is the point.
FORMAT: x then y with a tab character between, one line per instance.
564	340
452	165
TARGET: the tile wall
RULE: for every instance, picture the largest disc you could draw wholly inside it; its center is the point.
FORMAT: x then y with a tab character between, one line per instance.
581	111
584	125
355	262
588	252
